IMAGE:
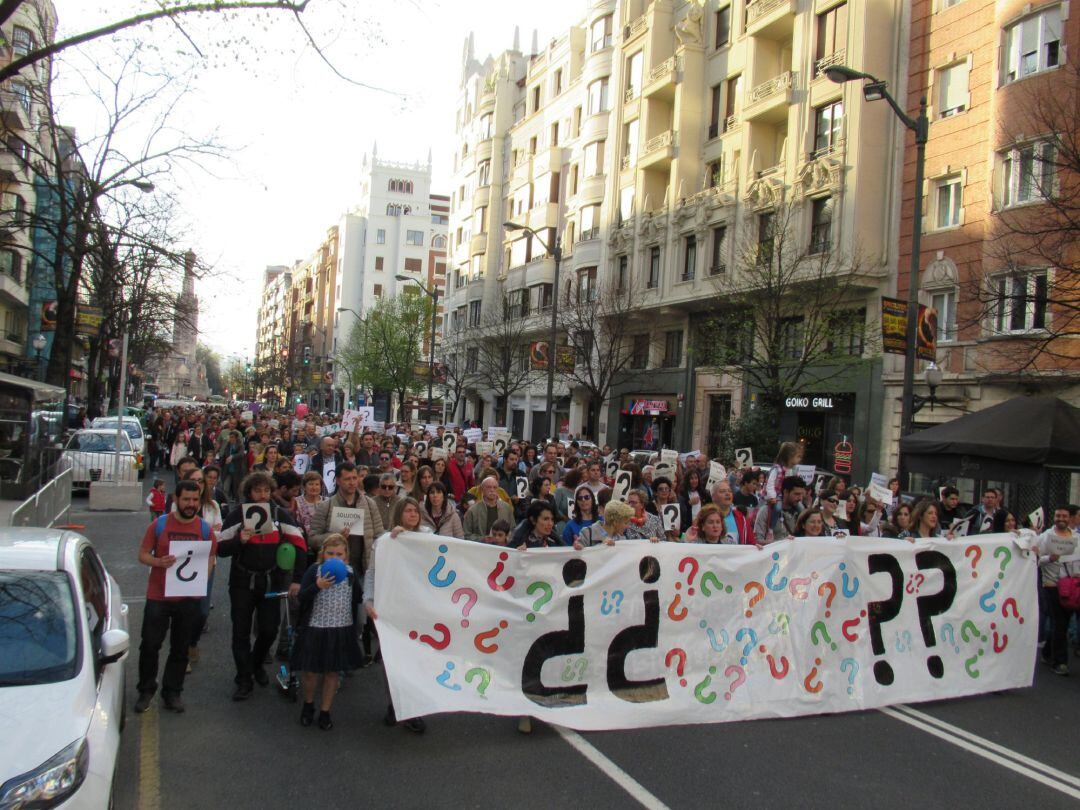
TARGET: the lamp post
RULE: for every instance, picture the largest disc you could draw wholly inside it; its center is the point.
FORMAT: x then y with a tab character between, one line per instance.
433	294
556	253
875	89
38	343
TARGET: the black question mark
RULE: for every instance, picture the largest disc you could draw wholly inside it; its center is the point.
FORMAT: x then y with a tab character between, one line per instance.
638	637
252	511
935	604
179	571
673	515
522	487
884	611
558	643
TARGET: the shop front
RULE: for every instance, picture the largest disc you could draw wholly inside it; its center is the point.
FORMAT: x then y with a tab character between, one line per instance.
824	424
647	422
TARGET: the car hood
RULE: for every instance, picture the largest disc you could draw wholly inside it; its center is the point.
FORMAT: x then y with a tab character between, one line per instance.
39	721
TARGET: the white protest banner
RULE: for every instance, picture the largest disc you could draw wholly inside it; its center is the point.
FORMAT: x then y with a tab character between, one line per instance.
670	456
247	416
744	457
189	575
549	636
257	518
357	420
485	447
420	448
672	516
473	435
344	520
438	453
501	441
493	431
623	480
522	484
300	463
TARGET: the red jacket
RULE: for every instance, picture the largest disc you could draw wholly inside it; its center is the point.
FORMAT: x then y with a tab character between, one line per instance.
745	527
461	478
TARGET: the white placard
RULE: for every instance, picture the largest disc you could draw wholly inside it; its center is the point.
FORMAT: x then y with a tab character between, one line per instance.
344	520
881	493
806	473
274	423
1037	519
492	431
857	658
501	440
522	487
449	443
257	518
473	435
961	527
611	468
189	575
420	448
301	463
485	448
672	517
623	481
357	420
247	416
670	456
329	478
437	453
663	469
744	457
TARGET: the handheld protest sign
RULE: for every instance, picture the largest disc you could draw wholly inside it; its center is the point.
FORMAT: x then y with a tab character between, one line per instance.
257	517
623	480
806	472
717	471
522	487
744	457
672	516
961	527
611	468
483	448
437	453
344	520
189	575
669	456
329	479
571	510
1037	519
501	441
301	463
420	448
663	469
449	443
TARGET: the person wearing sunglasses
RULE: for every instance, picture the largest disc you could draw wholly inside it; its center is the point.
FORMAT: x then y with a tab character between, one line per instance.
386	497
829	504
585	513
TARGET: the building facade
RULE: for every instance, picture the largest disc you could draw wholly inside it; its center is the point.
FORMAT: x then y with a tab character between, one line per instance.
272	337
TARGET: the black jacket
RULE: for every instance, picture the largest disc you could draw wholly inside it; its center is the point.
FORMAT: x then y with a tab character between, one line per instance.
254	563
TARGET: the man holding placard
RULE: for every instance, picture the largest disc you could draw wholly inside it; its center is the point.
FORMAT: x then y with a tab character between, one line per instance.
350	513
180	548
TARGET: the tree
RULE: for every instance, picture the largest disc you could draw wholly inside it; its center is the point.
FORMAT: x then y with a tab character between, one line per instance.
457	378
501	346
789	312
601	324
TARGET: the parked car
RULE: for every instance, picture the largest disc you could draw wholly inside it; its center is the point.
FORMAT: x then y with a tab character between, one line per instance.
63	632
91	454
134	429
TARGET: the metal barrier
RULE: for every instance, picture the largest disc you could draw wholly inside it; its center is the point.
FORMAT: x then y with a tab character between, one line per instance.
48	506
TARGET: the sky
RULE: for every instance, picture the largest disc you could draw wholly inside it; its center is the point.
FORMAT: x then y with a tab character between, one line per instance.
296	133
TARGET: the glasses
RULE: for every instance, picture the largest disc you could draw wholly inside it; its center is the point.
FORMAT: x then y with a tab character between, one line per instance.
584	497
387	486
833	501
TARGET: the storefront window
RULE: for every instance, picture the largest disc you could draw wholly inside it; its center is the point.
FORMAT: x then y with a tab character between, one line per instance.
647	422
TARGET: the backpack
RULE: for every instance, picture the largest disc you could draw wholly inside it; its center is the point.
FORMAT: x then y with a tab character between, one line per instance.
1068	590
159	527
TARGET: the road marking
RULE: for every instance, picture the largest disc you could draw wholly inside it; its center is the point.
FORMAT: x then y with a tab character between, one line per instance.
620	777
149	764
980	746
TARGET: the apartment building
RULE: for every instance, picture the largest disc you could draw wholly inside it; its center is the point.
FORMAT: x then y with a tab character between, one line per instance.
686	125
272	337
1000	80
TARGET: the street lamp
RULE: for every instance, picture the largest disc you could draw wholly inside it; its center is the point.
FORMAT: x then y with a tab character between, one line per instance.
433	294
556	254
875	89
39	343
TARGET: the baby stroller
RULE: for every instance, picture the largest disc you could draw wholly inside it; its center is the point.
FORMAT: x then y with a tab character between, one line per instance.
287	681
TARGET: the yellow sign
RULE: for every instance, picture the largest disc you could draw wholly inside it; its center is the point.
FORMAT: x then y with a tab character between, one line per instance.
316	376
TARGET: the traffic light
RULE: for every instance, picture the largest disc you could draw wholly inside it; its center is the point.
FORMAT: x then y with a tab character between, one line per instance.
307	355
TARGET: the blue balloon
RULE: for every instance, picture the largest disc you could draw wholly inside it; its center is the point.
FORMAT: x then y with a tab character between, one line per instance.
334	569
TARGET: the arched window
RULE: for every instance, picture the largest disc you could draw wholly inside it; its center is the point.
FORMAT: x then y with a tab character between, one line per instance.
439	242
406	210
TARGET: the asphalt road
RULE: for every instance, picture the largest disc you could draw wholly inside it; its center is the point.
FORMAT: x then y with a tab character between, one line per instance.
1003	750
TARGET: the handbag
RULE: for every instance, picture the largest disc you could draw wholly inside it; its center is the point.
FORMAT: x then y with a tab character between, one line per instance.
1069	589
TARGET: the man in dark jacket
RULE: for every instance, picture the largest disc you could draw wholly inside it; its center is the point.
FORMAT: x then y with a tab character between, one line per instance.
326	463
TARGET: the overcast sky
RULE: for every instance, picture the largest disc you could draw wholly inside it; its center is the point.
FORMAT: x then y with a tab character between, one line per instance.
298	132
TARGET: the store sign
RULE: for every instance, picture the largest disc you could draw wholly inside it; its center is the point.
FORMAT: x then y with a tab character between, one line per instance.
642	407
894	329
88	320
817	402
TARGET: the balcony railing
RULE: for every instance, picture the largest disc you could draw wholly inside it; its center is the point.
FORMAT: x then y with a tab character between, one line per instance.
835	58
774	86
760	8
661	141
630	94
634	28
660	70
731	122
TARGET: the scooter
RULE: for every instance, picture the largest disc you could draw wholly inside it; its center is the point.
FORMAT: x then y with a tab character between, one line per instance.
287	681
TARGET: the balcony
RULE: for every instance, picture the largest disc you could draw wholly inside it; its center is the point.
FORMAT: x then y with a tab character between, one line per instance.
634	29
547	160
660	83
770	19
12	168
835	58
545	215
13	111
12	291
478	243
658	152
769	101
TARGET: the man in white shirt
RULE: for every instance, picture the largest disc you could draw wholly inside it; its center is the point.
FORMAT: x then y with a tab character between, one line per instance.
1056	542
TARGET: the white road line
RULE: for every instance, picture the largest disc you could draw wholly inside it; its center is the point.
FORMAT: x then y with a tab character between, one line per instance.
984	748
610	769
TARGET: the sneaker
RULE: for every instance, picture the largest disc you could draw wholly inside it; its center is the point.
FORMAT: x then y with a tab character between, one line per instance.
144	701
416	725
261	678
325	723
525	725
307	714
390	718
173	703
193	655
243	691
1061	669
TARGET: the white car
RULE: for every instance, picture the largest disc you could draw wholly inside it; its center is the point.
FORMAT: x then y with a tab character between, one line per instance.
63	633
92	456
132	427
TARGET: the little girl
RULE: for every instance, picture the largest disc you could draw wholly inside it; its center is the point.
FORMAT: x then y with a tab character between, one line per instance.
156	499
326	643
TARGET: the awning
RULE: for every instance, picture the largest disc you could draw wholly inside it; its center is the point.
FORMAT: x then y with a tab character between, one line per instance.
42	391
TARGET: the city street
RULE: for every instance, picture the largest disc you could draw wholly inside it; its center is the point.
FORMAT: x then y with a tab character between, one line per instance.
998	750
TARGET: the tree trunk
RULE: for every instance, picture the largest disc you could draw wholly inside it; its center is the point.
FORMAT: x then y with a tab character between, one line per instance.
63	342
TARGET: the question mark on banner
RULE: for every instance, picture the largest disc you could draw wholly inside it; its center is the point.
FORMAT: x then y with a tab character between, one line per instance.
483	675
699	690
975	632
969	665
1006	555
436	570
541	601
830	589
1000	642
438	644
808	684
616	603
974	559
749	633
180	569
851	623
1011	603
480	641
256	516
775	586
739	680
778	674
719	646
444	678
708	577
779	624
884	611
986	601
818	632
948	634
693	573
797	587
750	586
470	602
931	605
849	585
496	572
678	654
853	665
673	614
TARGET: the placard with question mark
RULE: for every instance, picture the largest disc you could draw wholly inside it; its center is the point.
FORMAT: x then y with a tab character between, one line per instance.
522	487
672	515
257	517
189	575
744	457
623	481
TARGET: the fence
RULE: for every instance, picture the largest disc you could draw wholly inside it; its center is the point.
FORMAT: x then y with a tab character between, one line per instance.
48	506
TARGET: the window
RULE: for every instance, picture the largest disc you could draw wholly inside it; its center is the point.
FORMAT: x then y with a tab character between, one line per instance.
731	103
480	220
577	121
586	290
689	257
831	45
1027	174
519	251
517	304
634	67
536	98
1021	302
846	330
22	94
723	27
718	264
483	173
639	352
621	273
944	304
439	242
440	219
474	313
715	107
594	159
792	332
472	359
944	4
376	290
1032	45
821	225
485	126
380	237
572	185
600	34
414	238
765	240
653	280
93	581
630	143
540	297
378	262
598	96
952	95
556	84
672	349
11	203
414	265
828	127
590	222
554	139
22	41
948	201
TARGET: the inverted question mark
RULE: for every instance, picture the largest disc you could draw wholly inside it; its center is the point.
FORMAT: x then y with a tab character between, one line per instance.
470	601
540	601
180	570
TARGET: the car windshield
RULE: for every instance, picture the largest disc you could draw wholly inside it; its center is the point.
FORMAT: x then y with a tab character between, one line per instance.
97	443
132	429
38	635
